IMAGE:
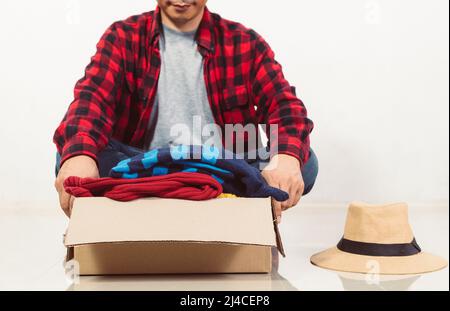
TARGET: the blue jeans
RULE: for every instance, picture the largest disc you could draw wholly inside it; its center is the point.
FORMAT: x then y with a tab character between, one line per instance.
116	151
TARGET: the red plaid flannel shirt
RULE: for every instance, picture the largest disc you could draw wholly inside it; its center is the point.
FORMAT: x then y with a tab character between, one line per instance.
245	85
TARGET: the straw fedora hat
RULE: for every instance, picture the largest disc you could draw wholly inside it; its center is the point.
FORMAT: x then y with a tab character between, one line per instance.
378	239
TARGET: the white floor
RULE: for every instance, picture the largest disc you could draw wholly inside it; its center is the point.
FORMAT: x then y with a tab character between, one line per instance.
31	255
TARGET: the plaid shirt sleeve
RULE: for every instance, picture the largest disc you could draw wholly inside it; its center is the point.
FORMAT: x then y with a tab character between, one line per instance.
277	104
88	123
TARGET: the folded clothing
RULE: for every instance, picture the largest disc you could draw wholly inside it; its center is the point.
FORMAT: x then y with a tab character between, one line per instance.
236	175
227	196
187	186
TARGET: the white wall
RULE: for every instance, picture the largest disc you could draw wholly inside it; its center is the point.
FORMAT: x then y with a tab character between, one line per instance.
373	73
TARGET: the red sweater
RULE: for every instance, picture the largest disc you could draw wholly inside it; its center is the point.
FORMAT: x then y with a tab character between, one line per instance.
187	186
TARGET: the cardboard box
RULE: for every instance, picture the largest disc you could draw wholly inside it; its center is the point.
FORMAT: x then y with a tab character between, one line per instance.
163	236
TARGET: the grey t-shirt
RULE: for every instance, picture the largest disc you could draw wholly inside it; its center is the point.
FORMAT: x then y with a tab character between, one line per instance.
181	96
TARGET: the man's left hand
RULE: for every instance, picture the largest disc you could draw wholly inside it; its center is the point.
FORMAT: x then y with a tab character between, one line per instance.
284	172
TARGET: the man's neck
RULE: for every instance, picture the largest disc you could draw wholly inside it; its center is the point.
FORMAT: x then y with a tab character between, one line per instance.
187	26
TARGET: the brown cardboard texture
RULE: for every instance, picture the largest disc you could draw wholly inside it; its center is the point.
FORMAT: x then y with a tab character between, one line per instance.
165	236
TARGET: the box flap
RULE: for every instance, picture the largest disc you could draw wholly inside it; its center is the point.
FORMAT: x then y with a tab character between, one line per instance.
240	221
277	234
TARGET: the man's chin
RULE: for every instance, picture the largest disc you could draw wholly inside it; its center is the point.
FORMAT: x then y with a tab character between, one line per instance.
179	20
181	17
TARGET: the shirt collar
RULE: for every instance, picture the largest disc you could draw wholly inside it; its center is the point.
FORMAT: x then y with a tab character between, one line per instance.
204	35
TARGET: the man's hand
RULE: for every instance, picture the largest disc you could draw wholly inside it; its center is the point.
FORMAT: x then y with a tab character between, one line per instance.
283	172
80	166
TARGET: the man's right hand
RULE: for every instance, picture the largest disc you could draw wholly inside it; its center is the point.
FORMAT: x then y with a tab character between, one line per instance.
79	166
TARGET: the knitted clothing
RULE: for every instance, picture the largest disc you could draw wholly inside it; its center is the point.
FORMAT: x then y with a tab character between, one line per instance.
236	175
188	186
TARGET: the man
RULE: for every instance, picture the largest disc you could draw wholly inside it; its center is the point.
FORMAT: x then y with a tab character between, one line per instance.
169	66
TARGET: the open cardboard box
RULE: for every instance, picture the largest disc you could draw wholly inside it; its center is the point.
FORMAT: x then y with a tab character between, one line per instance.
165	236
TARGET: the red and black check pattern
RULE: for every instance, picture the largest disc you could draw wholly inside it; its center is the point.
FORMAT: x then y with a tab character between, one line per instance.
245	85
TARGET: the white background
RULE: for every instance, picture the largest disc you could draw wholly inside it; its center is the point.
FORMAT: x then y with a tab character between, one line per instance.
373	74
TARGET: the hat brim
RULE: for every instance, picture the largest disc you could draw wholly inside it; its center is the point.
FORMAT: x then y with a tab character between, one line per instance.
335	259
